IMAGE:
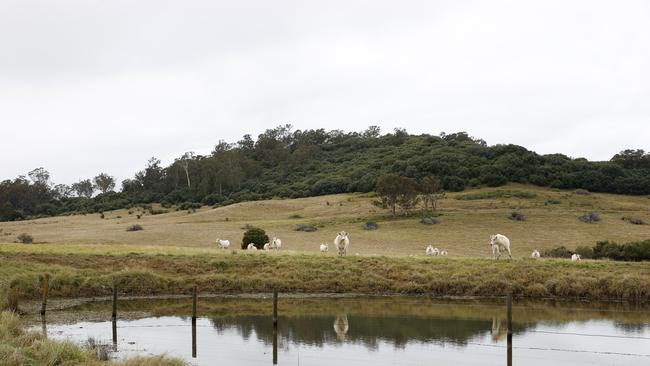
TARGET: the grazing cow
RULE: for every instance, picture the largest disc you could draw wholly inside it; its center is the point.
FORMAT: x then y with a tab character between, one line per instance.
501	241
223	244
575	257
276	243
342	242
443	253
323	248
267	247
535	254
251	246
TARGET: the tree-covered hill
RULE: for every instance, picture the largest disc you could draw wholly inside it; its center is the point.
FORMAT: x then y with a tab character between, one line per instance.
286	163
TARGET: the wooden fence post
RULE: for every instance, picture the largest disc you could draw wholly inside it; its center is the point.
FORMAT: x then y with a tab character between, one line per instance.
46	291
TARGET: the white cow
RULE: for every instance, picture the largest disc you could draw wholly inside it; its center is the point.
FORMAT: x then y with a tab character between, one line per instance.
535	254
432	251
575	257
443	253
267	247
276	243
323	248
501	241
251	246
223	244
342	242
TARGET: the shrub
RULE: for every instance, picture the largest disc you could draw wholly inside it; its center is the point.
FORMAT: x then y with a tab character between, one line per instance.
25	238
634	221
429	221
295	216
135	227
590	218
306	228
516	216
213	199
634	251
189	206
558	252
370	225
138	216
552	202
255	236
101	215
582	192
585	252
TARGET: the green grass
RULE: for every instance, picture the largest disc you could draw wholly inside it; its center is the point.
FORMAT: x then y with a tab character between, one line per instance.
140	273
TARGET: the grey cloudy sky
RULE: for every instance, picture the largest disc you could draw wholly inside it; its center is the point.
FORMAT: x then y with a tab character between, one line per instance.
94	86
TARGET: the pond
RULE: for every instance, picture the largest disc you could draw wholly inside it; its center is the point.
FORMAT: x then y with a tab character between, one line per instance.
362	331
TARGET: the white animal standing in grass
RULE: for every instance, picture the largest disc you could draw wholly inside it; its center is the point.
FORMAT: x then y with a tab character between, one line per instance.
276	243
342	243
443	253
535	254
501	241
267	247
429	250
495	251
223	244
251	246
575	257
323	248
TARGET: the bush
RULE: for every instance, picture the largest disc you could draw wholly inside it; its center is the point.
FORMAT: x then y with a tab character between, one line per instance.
634	221
370	225
135	227
189	206
558	252
295	216
306	228
634	251
590	217
25	238
552	202
429	221
213	199
582	192
255	236
516	216
585	252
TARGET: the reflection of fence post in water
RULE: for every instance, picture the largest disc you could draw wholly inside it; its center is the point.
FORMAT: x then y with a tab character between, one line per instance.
114	318
43	326
46	291
194	299
275	326
509	320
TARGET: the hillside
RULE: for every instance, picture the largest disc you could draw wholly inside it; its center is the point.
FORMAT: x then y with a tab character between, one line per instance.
464	228
283	163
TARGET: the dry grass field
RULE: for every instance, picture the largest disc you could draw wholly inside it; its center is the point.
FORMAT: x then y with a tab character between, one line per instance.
464	228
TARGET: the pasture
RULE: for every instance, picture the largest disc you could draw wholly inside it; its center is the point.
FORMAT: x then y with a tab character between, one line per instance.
466	221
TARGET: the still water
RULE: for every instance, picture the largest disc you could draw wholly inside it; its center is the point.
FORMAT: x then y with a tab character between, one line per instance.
363	331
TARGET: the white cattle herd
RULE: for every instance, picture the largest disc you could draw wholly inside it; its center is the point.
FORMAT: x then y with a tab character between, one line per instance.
498	243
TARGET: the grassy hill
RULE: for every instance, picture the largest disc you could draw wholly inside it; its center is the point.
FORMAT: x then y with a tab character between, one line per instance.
466	221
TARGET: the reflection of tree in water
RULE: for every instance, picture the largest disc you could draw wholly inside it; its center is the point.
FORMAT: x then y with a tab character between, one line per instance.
367	330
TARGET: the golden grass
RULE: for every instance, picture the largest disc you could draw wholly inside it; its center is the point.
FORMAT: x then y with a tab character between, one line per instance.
464	229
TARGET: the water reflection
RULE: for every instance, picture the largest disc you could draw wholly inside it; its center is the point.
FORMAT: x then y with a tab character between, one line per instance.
364	331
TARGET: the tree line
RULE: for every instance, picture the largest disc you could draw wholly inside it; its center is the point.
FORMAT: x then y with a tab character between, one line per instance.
285	163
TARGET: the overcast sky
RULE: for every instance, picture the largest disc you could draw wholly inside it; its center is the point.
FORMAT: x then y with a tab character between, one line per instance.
95	86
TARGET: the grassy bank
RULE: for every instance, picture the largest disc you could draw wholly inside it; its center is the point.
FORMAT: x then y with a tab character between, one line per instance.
19	347
77	273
